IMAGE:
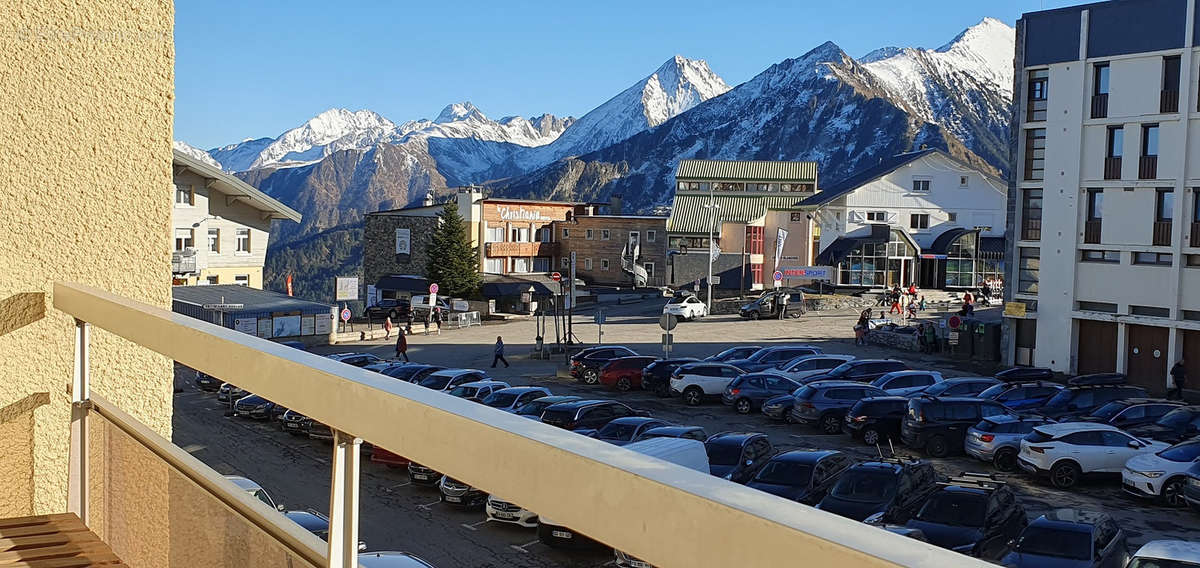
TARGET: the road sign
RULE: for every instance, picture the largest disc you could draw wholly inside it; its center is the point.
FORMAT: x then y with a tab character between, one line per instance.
954	322
952	338
433	296
555	276
716	280
433	289
223	307
668	322
778	276
345	314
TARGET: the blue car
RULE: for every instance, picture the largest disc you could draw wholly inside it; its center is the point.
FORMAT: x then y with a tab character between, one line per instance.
773	356
748	392
624	430
958	386
1022	396
1070	538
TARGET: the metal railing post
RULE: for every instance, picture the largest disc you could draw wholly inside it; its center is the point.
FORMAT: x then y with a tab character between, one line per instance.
343	501
77	477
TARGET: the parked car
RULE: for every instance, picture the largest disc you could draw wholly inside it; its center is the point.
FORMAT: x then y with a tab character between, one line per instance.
1175	426
938	425
780	407
513	398
1070	538
809	365
1161	475
1066	452
579	414
1077	401
697	381
686	308
624	373
411	372
737	456
253	489
355	359
391	559
504	511
421	475
621	431
420	305
389	459
1024	375
770	357
767	306
824	404
395	307
315	523
734	353
534	408
585	365
748	392
861	370
997	439
972	514
876	420
458	494
1166	554
1098	379
256	407
1129	412
902	383
382	366
207	382
1191	491
477	390
447	379
295	423
688	432
656	377
1021	396
958	386
801	476
890	490
227	393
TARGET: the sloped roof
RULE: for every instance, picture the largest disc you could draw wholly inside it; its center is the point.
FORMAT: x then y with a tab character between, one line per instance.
724	170
253	298
688	214
863	177
230	185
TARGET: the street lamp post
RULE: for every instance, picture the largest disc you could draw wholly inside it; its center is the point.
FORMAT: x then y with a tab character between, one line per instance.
712	213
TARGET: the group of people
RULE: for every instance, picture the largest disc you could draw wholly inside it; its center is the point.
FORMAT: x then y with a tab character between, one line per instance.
903	302
434	317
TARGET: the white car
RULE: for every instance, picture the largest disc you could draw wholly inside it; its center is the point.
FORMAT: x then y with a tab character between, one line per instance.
686	308
808	365
695	381
1067	451
904	383
1161	475
477	390
1164	553
505	512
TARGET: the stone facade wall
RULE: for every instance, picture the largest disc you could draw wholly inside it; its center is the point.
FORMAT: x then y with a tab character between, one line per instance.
598	248
694	266
379	245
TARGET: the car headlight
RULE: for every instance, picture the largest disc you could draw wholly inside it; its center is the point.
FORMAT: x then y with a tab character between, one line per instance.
1150	474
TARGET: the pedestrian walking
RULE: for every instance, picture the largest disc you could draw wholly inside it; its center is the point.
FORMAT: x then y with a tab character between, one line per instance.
428	320
912	309
411	318
921	338
783	304
402	346
1179	379
931	337
387	327
437	319
860	328
499	353
896	303
922	302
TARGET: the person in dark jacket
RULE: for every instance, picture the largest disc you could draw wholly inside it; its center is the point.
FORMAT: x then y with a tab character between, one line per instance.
437	319
499	353
1179	378
401	346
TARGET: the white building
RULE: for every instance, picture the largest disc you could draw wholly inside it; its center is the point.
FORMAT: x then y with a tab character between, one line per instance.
1103	192
921	217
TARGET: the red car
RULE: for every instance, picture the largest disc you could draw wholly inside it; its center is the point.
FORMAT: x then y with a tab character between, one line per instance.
624	373
387	458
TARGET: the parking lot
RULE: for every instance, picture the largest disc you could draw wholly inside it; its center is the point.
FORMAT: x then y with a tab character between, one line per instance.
398	516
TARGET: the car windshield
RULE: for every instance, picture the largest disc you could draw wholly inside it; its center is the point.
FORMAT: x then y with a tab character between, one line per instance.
1061	399
612	431
757	355
867	486
1040	541
785	473
993	391
805	392
435	381
1160	563
533	407
723	454
1176	419
463	391
1182	453
730	353
936	388
1109	410
840	370
500	399
958	509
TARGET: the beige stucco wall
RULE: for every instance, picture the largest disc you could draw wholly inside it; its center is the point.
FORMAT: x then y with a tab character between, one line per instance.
85	166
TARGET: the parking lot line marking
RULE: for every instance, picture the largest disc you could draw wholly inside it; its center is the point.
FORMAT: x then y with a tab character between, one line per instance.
471	526
405	484
427	506
522	546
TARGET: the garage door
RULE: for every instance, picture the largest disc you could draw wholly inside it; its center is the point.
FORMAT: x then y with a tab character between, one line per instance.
1097	351
1146	358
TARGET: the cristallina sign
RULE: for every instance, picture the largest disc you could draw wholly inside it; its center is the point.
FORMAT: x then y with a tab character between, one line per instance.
520	214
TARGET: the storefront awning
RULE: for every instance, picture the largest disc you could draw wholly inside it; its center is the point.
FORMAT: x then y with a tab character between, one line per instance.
838	250
941	245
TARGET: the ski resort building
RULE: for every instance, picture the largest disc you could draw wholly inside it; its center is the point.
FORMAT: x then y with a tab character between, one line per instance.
615	249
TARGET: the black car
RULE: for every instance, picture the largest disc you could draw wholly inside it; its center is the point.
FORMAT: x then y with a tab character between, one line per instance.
580	414
861	370
295	423
1079	400
460	495
773	357
747	392
974	515
257	407
207	382
739	352
958	386
890	490
737	456
421	475
1131	412
355	359
1022	395
412	372
801	476
1070	537
1025	374
656	377
939	425
687	432
1178	425
585	365
397	308
533	409
876	420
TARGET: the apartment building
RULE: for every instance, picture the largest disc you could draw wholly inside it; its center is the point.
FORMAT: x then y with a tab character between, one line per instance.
220	226
615	249
1104	220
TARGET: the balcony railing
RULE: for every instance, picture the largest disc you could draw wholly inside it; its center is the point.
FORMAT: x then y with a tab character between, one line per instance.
1036	111
606	492
1148	167
1100	106
1031	230
1168	100
1195	239
1112	167
1162	233
520	249
1091	231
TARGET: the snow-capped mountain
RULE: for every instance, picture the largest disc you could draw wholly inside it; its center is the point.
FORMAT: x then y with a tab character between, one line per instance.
196	153
238	157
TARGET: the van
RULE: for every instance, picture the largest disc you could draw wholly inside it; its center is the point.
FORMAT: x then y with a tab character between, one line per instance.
679	451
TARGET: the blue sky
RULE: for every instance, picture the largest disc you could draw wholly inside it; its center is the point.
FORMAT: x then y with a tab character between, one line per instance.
254	69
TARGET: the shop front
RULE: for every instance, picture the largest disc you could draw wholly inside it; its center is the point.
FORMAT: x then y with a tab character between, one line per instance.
963	259
885	257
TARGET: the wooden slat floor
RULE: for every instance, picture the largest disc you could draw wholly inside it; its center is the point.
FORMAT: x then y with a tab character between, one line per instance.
52	541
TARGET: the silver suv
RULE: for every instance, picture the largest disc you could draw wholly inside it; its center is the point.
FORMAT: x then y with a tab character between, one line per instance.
997	439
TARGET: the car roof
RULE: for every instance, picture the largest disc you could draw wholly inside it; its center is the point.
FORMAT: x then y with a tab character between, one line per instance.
520	390
308	520
861	361
1008	418
243	483
888	398
1094	387
888	466
959	399
487	383
674	429
836	383
453	371
1143	400
634	420
1014	384
791	346
580	403
391	559
733	437
1179	550
974	380
709	363
559	398
1061	428
804	456
910	372
1070	519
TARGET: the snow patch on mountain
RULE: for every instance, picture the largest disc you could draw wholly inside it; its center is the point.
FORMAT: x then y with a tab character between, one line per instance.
333	130
196	153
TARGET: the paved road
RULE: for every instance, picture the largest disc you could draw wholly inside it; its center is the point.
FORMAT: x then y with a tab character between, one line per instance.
396	515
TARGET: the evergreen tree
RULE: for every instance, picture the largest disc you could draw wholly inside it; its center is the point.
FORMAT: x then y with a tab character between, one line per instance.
453	263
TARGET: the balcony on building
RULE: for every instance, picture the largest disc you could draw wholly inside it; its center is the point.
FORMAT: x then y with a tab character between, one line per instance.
184	261
1031	230
1112	167
1100	105
1168	101
1195	238
1162	233
1091	231
509	248
1148	167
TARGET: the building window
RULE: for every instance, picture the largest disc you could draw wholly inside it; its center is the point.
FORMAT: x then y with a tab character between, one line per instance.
1112	256
879	216
1028	265
651	235
756	274
520	264
918	221
960	261
1164	204
952	217
588	234
1169	98
920	185
494	234
1192	260
541	264
494	265
1035	153
211	280
728	186
1031	214
604	264
544	235
875	264
566	262
587	263
184	195
214	241
243	240
520	234
1150	311
1102	307
604	234
1115	145
1152	258
1039	83
964	182
649	266
184	239
1150	140
242	279
1100	79
693	186
754	240
1191	315
1095	204
794	187
566	232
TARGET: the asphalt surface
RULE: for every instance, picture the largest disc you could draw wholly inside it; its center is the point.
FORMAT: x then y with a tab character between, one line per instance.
398	516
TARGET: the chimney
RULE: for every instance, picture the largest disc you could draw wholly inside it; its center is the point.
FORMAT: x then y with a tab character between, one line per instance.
615	204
